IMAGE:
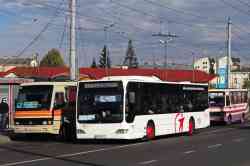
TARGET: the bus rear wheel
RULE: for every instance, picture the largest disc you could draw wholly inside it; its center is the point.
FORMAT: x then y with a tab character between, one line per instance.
150	130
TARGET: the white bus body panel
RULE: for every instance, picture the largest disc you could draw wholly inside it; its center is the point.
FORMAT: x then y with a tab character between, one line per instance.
164	124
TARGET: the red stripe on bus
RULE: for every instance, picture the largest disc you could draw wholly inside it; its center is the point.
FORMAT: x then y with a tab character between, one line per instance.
239	110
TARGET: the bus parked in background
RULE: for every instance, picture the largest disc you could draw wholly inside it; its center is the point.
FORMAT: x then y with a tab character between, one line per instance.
228	105
38	108
135	107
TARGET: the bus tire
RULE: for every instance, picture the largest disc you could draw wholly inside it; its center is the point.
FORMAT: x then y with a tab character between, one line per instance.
63	133
13	137
191	127
150	131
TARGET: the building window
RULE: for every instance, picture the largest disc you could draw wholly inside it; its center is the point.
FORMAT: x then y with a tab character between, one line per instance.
235	80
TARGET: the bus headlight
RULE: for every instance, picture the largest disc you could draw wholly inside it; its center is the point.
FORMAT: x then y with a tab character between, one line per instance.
80	131
121	131
17	123
45	122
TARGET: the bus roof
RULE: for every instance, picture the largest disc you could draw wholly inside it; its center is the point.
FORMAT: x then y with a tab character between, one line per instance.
150	79
70	83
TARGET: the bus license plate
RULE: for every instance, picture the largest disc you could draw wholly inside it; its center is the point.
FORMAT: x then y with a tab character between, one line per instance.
100	136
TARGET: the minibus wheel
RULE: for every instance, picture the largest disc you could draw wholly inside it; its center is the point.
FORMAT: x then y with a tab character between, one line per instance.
63	133
13	137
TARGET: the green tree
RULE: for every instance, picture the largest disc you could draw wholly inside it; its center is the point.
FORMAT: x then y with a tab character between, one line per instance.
246	84
104	58
52	59
93	65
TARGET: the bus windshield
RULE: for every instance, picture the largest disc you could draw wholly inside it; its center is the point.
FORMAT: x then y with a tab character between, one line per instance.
100	102
35	97
217	99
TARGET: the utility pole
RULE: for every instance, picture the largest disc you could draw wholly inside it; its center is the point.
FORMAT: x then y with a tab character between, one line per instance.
72	49
229	24
107	49
168	37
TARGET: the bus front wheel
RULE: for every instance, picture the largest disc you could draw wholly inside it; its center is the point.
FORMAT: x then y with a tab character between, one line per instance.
62	133
150	130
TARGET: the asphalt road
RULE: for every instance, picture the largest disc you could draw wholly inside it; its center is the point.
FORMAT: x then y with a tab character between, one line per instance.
215	146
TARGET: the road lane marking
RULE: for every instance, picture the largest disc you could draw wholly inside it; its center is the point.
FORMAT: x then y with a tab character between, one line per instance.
147	162
190	151
217	130
238	140
71	154
214	146
25	162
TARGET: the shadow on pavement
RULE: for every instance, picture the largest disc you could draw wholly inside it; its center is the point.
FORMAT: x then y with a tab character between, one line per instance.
45	157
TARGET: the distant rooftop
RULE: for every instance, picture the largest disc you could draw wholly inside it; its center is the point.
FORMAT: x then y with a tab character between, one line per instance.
15	61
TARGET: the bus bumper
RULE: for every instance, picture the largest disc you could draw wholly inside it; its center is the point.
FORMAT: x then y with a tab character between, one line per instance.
23	129
130	135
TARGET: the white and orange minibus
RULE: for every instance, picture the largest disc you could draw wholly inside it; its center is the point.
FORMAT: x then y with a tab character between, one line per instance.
38	107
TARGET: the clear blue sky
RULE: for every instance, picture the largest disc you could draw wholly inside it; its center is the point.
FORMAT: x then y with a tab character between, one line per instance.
200	25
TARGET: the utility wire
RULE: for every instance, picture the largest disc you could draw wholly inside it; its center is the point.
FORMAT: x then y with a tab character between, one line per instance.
234	7
244	3
63	33
92	19
39	34
119	19
12	14
241	29
181	11
147	14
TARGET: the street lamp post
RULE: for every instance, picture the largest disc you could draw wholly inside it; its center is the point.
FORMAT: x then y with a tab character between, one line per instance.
165	42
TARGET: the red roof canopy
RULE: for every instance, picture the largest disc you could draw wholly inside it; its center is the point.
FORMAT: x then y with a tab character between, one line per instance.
97	73
163	74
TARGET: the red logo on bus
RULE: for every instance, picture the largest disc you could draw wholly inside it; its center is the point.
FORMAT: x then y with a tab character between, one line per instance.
179	119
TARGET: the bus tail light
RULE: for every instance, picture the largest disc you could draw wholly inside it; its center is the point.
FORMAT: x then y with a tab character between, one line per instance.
80	131
121	131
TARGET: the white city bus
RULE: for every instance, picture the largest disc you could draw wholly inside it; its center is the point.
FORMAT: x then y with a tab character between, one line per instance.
228	105
39	107
133	107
